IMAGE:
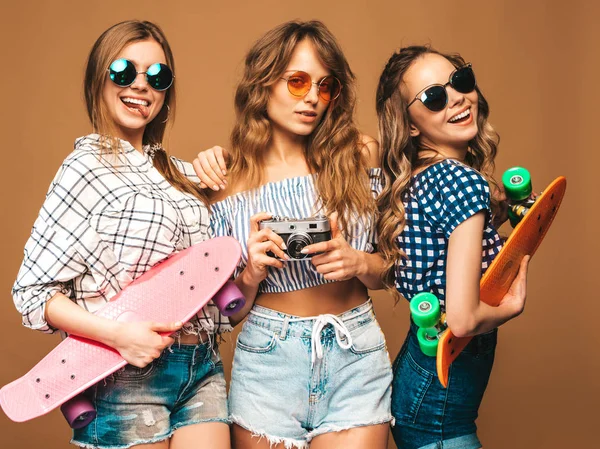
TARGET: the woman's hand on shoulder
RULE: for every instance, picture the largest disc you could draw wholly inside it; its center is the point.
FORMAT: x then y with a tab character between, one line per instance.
371	151
139	343
265	249
211	167
337	260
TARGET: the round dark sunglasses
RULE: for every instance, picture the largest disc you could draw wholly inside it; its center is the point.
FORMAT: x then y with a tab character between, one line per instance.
435	97
122	72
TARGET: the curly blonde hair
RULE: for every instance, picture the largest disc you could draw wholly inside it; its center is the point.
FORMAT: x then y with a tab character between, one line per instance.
333	151
400	151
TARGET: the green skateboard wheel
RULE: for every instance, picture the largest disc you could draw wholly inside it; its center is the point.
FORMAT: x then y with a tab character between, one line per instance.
425	309
517	183
428	341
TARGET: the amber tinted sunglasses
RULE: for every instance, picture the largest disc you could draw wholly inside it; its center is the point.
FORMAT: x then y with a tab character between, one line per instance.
299	84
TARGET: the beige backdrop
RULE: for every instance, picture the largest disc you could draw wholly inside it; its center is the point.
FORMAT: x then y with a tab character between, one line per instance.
537	63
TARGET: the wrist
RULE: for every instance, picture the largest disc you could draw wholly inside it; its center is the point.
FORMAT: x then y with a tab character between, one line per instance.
110	333
248	279
363	263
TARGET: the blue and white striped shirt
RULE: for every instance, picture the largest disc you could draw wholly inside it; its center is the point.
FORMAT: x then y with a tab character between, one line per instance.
293	197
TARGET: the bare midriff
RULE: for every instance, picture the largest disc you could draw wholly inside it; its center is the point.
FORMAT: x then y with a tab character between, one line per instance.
332	298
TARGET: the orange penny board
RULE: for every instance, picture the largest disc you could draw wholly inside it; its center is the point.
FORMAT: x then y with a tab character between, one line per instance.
495	283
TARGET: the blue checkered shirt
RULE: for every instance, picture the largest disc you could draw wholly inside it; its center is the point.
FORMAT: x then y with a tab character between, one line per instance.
439	199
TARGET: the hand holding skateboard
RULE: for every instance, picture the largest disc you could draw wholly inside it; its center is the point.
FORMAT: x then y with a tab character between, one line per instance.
174	290
532	216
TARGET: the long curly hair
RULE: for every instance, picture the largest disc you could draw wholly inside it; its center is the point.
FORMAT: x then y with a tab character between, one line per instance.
104	51
400	151
332	151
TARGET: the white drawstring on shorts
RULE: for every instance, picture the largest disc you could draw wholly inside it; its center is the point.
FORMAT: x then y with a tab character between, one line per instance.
341	333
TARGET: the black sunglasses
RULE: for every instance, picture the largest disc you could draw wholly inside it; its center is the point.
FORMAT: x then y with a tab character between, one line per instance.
122	72
435	97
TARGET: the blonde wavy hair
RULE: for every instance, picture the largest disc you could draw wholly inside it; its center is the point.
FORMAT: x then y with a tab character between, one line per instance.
333	151
104	51
400	151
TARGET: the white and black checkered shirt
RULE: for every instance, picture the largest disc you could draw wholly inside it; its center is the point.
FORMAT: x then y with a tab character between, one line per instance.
105	221
438	200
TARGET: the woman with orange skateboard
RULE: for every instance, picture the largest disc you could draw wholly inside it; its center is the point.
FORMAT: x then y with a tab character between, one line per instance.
118	206
437	235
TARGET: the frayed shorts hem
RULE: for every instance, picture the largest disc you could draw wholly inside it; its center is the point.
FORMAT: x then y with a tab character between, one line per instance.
290	443
151	440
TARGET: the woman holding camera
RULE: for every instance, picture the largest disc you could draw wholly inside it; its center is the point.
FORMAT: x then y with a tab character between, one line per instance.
311	364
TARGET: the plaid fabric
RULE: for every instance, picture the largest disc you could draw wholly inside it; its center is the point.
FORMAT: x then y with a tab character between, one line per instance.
105	221
438	200
292	197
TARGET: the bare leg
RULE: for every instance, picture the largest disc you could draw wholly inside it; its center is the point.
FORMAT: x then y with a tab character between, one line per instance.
211	435
243	439
373	437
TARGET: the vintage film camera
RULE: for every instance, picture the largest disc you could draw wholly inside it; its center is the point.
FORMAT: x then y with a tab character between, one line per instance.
299	232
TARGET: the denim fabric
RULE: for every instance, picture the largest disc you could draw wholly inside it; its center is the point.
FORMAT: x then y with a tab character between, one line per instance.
428	416
280	391
184	386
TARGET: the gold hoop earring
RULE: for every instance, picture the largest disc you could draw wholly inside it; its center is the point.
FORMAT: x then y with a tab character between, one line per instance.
168	114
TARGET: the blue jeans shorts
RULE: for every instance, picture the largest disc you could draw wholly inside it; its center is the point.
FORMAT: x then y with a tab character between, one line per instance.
429	416
296	378
184	386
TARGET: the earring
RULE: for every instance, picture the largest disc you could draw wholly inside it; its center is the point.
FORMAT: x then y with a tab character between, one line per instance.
168	114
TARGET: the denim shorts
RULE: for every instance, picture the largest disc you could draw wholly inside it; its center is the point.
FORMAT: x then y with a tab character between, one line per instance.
429	416
295	378
184	386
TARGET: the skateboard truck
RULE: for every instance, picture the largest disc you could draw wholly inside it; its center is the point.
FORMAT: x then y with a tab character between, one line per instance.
426	313
517	185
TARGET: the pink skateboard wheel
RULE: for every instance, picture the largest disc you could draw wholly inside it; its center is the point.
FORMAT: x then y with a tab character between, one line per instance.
78	411
229	299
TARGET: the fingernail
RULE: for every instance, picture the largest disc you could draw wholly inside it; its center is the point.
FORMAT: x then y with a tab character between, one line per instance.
224	172
283	246
304	251
215	187
225	181
222	186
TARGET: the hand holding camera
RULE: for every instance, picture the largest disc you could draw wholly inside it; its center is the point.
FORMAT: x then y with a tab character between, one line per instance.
297	234
260	242
335	259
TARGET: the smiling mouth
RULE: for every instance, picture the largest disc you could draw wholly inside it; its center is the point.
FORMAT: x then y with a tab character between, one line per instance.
137	106
463	116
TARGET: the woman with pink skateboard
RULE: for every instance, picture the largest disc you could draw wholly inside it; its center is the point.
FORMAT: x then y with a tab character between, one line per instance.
118	206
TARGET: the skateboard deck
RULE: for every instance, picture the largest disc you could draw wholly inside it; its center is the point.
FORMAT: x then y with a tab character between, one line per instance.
174	290
496	281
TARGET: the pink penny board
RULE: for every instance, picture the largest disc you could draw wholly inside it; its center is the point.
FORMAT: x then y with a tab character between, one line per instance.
174	290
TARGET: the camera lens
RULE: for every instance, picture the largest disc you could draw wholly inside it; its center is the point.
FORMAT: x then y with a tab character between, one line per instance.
296	243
